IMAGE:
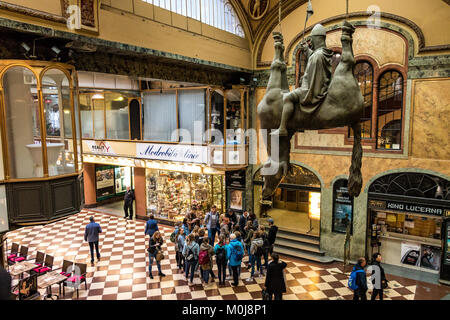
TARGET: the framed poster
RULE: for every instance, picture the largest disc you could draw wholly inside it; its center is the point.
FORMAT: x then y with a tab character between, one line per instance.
236	199
430	257
410	253
342	207
104	181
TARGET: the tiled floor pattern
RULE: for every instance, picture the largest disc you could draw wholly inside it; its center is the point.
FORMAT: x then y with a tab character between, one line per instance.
122	272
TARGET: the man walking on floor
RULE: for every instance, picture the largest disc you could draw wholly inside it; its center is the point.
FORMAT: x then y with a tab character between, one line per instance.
128	202
91	233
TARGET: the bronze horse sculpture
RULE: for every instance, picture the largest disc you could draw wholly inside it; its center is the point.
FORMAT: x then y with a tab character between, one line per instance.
342	106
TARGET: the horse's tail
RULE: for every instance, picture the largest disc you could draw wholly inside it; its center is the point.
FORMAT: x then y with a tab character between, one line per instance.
355	178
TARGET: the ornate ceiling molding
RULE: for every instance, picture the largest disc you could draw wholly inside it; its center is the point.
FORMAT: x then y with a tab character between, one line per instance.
421	38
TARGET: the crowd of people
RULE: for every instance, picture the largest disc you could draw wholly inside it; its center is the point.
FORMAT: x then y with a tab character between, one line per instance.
223	239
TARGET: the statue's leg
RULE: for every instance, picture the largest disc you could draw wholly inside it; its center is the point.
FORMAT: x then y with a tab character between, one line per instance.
288	110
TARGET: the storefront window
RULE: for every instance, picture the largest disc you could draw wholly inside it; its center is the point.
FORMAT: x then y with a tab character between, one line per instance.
86	116
160	116
234	117
98	102
390	108
58	122
170	194
22	124
192	115
364	75
217	118
112	181
117	123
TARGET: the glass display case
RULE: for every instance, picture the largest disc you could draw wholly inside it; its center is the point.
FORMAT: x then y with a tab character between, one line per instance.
171	194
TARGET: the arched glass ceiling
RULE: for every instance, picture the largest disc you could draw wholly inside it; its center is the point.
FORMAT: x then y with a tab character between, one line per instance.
216	13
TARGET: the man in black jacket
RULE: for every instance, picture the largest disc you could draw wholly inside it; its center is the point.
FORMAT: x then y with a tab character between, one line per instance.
5	284
128	202
272	235
274	284
243	222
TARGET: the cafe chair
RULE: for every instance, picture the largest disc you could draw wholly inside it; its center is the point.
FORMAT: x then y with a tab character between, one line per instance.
22	256
78	278
48	266
14	251
39	260
66	271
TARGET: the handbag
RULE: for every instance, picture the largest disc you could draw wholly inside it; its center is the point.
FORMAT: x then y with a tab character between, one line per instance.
159	256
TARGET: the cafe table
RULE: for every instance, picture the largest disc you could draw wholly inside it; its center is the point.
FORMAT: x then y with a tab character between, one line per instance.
47	280
19	268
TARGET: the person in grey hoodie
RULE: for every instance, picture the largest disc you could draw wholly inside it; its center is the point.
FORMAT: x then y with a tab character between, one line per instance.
256	252
180	240
190	253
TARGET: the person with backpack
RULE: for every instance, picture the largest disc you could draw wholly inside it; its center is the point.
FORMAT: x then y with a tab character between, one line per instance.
221	251
358	280
205	259
212	224
274	283
256	252
179	245
379	281
272	234
235	255
190	253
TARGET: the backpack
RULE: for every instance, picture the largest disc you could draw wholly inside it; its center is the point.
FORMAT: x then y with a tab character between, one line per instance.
203	258
172	237
238	253
190	256
259	251
352	280
221	256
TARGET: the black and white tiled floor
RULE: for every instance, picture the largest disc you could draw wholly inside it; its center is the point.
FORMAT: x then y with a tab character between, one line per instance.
122	272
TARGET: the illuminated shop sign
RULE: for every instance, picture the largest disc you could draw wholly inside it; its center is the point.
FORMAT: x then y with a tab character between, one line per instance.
407	207
179	153
99	147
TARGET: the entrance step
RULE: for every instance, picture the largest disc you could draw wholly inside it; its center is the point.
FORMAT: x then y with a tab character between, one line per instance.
301	245
303	255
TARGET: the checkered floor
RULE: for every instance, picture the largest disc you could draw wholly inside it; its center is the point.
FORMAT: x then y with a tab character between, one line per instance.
122	272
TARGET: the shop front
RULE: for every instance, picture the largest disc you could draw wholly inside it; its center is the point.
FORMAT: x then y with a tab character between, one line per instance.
295	205
406	220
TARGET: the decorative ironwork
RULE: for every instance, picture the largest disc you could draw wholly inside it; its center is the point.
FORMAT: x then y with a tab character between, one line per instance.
412	184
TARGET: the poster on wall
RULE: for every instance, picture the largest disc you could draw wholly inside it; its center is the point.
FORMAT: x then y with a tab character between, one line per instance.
342	207
447	245
410	253
236	199
104	177
430	257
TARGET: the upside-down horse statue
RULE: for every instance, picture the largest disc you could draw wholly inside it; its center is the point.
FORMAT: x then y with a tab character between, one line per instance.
323	101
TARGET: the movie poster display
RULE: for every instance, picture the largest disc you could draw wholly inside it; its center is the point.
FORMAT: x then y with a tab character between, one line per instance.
342	207
410	254
430	257
236	199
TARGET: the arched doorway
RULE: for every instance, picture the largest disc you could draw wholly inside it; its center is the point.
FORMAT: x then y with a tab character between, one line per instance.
407	216
295	206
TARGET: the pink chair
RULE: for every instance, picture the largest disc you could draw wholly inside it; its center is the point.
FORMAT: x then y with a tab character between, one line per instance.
48	266
21	257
